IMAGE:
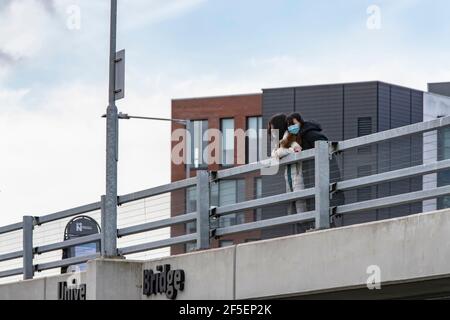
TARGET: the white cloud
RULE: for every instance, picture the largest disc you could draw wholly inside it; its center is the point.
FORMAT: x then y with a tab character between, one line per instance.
54	159
52	137
30	27
25	26
139	13
11	99
49	156
53	147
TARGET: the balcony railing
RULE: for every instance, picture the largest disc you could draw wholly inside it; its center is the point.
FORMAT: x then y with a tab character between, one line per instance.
206	215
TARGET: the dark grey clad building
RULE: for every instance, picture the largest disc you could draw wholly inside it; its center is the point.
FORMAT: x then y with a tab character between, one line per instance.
442	88
347	111
344	111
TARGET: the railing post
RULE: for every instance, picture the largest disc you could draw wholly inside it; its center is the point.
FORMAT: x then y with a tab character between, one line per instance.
202	210
109	232
28	251
322	186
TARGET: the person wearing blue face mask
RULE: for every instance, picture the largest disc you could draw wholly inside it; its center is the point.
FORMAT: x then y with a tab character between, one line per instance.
294	129
290	144
308	132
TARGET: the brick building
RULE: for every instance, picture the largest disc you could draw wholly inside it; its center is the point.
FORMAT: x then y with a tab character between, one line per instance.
225	113
345	111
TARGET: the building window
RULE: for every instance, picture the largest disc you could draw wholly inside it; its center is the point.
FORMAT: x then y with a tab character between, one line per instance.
254	139
364	126
190	247
226	243
227	128
191	206
240	218
258	195
198	130
228	192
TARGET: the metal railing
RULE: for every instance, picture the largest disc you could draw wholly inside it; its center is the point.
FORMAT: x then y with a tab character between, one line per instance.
206	214
27	226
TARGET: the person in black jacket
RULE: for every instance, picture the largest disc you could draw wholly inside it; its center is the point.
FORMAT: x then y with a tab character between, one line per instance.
309	133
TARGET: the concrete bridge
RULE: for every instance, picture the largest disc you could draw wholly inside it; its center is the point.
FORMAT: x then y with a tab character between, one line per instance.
410	257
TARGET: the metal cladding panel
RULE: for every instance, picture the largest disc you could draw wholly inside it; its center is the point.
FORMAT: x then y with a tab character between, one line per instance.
398	107
323	104
360	102
416	146
384	107
275	101
384	149
360	109
416	106
339	108
400	148
442	88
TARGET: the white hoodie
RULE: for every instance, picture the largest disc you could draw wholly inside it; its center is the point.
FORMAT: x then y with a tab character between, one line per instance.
293	173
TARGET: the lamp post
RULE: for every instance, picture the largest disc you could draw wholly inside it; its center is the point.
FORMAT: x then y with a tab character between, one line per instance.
116	91
109	216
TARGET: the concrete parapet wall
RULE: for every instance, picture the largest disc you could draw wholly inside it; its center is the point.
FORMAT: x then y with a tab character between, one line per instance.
109	279
36	289
209	274
405	250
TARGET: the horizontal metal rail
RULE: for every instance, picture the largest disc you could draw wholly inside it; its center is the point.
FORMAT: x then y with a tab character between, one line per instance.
265	164
383	136
393	175
262	202
157	224
10	273
11	228
158	244
68	213
269	223
182	184
11	256
270	165
393	200
67	243
65	262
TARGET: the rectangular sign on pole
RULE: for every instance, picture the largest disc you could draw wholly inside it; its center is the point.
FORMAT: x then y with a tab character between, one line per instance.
120	75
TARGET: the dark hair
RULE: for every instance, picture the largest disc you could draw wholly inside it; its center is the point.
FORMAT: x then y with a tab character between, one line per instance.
279	123
290	122
296	116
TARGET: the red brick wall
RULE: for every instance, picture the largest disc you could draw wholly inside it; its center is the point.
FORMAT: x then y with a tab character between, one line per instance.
213	109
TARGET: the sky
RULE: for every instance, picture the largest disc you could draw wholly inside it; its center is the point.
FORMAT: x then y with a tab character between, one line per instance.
54	76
